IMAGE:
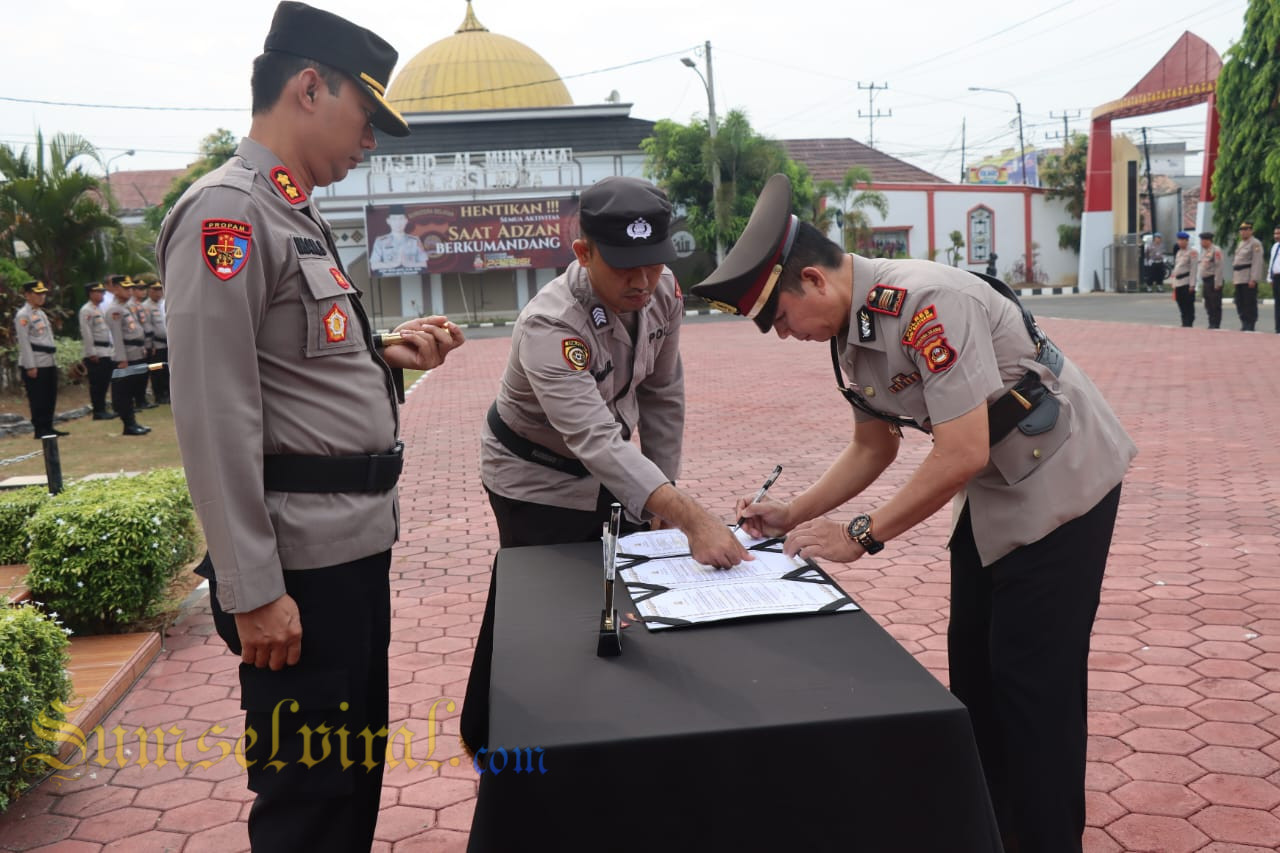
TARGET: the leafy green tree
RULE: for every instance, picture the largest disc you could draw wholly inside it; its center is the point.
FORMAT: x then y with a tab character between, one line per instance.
1246	181
1064	174
53	207
850	210
679	158
215	149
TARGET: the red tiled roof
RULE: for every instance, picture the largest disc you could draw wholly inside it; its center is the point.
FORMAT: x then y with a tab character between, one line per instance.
143	188
830	159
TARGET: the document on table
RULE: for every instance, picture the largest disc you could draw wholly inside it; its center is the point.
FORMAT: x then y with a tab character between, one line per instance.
671	589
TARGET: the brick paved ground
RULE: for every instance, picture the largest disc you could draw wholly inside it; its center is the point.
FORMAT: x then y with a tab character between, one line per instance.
1185	714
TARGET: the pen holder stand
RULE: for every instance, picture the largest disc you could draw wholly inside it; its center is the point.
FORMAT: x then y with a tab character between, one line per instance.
609	643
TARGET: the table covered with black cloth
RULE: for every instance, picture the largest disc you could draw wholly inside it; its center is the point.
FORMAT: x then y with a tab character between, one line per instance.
803	733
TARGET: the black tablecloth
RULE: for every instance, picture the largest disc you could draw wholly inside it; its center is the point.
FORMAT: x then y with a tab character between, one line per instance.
792	734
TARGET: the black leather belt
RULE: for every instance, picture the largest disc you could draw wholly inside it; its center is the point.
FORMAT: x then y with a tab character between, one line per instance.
531	451
162	340
373	472
1241	266
44	348
1183	275
135	342
102	343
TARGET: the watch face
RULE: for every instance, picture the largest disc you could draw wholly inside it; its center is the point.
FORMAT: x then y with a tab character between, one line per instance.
860	525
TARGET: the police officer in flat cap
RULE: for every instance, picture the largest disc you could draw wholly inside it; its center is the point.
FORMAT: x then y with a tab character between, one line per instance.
1184	279
595	356
36	358
1211	278
129	349
286	410
1248	266
1018	431
95	338
160	338
138	288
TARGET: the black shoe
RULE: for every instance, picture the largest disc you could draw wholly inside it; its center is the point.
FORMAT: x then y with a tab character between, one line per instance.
145	406
134	429
105	416
61	432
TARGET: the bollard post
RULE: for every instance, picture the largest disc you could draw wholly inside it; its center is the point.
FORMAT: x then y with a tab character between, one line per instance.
52	463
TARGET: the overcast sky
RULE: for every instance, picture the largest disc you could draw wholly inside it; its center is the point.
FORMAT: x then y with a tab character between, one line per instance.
793	67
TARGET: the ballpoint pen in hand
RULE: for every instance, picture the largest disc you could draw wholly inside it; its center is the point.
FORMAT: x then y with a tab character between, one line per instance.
760	494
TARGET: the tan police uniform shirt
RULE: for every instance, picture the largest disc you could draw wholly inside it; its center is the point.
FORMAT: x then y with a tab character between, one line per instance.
159	330
269	353
128	341
143	315
1211	264
95	338
944	342
576	384
32	327
1249	263
1184	263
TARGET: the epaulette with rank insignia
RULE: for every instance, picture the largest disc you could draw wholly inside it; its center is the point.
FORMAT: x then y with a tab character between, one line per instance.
884	299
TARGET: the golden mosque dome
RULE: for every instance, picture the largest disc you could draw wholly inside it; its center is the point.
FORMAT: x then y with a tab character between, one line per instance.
474	69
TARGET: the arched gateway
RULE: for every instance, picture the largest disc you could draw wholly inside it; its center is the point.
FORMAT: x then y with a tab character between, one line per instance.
1185	76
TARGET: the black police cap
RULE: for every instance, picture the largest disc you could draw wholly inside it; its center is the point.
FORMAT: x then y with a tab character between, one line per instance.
629	220
117	279
746	283
34	287
1206	235
94	287
301	30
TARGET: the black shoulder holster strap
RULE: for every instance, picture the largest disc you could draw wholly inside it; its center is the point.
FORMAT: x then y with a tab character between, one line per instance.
531	451
373	472
1027	405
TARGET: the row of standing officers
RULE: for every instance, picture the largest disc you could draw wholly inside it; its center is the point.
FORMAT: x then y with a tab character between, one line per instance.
128	332
1249	267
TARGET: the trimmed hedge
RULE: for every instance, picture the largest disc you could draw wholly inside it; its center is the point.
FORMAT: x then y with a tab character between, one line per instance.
33	682
16	508
104	552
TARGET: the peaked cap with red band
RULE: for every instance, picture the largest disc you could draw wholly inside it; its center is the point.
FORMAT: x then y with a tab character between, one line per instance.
746	283
301	30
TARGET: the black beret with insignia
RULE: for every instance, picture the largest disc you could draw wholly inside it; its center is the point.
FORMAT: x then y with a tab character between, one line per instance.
301	30
629	220
746	283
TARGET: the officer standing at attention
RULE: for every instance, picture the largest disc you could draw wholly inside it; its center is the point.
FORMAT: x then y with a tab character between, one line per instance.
36	351
1211	278
595	355
137	293
285	407
1247	268
129	348
1184	283
1154	256
98	351
160	336
1018	430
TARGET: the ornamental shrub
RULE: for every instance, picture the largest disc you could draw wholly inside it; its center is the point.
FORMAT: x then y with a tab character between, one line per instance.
16	508
33	677
104	552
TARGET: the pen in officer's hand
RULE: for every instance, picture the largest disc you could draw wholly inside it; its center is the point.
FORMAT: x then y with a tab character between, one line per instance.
760	494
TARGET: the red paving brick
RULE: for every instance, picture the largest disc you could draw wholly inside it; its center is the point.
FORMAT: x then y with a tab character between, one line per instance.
1185	668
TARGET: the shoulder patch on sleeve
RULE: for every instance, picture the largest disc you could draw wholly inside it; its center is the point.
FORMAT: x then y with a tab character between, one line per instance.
939	355
576	353
918	321
226	244
884	299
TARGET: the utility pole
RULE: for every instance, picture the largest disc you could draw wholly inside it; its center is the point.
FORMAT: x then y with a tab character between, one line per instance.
964	174
1066	127
872	113
708	82
1151	192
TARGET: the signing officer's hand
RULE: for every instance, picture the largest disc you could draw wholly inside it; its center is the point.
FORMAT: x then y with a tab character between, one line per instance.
713	544
427	342
271	636
822	538
764	519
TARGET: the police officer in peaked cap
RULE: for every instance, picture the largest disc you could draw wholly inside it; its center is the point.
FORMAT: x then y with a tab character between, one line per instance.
1017	429
595	356
286	410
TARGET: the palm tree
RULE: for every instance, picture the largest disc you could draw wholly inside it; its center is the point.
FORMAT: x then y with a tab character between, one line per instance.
52	206
850	210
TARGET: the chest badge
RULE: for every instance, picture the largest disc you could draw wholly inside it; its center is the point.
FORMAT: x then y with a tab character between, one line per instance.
287	186
866	326
339	278
335	325
226	246
576	353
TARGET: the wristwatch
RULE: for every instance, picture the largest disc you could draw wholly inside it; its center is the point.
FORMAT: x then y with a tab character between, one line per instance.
859	531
